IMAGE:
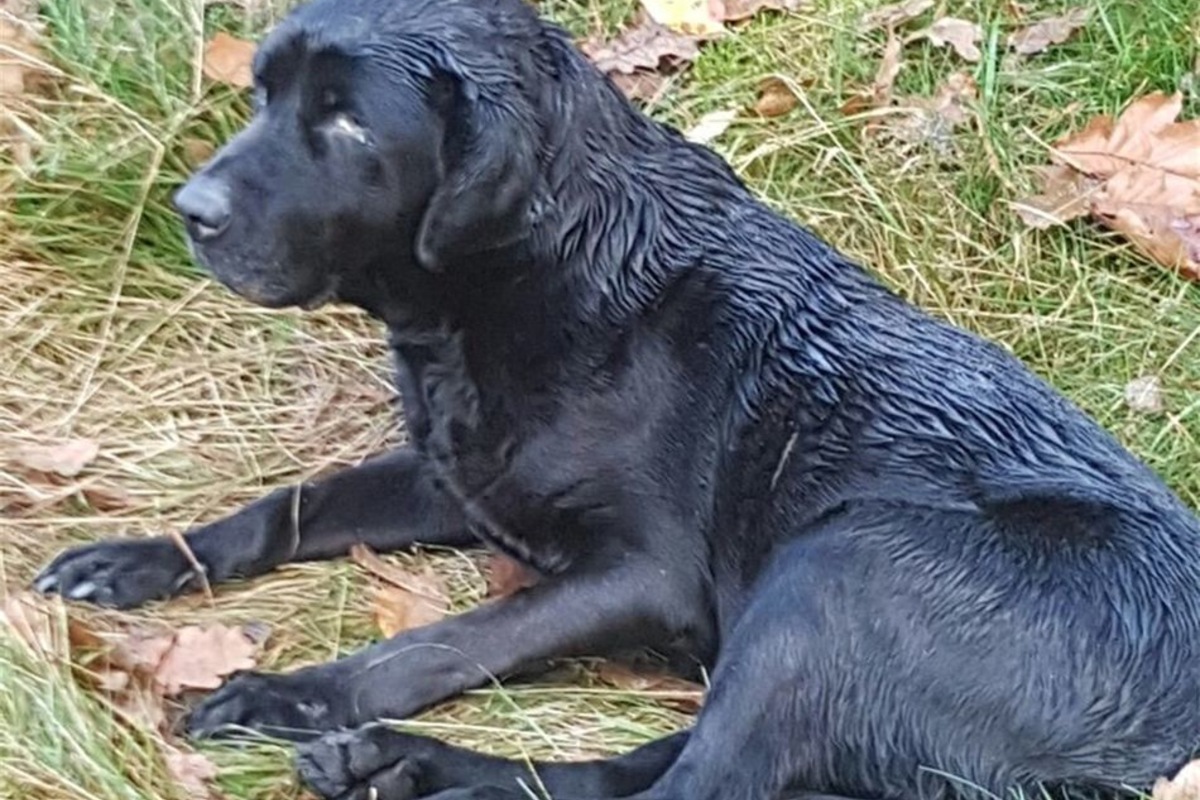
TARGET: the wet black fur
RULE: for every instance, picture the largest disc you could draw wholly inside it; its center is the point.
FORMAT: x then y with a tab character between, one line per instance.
912	567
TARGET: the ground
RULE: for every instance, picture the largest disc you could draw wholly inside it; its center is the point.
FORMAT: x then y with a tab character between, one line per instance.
200	402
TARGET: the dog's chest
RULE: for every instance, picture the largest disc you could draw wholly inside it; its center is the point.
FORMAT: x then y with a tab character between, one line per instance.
476	444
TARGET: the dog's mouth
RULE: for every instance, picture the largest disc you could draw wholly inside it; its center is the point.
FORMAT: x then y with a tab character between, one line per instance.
259	281
326	295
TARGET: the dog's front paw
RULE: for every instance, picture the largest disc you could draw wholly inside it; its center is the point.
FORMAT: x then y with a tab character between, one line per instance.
371	761
296	706
119	574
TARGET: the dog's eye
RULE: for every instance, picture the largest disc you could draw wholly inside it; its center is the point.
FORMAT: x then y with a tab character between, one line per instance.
329	101
346	125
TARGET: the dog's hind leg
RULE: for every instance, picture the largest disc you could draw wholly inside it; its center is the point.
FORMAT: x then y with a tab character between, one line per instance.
399	765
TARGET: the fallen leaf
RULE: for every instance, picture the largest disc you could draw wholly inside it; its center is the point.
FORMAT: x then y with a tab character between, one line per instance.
1184	786
962	35
1144	395
66	458
738	10
696	17
635	60
20	31
675	692
775	97
645	46
41	622
137	700
424	584
640	85
396	610
409	600
12	68
227	60
507	576
880	93
201	658
1064	197
889	70
1055	30
141	651
893	16
35	622
196	151
932	121
1139	175
710	126
1015	9
192	771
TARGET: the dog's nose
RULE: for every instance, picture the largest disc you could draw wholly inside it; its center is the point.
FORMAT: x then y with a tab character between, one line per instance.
205	206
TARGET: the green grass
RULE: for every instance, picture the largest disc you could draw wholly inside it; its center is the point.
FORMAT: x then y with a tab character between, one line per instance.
200	402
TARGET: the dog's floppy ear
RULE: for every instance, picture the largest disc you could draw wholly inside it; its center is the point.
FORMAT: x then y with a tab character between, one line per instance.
485	198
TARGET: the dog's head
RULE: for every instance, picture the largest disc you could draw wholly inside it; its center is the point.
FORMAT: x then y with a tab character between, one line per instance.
388	135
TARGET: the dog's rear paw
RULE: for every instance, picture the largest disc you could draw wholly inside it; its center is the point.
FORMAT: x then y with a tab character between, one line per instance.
373	761
119	574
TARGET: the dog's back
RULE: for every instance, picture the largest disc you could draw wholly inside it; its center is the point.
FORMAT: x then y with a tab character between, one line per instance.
933	483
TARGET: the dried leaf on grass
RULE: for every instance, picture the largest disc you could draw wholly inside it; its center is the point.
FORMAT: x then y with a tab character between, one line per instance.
1184	786
667	37
696	17
644	46
227	60
135	669
408	599
196	151
669	690
192	771
889	70
738	10
879	94
397	610
1138	174
1144	395
892	16
932	121
507	576
962	35
201	658
634	59
775	97
423	584
66	458
1055	30
18	49
41	624
1064	197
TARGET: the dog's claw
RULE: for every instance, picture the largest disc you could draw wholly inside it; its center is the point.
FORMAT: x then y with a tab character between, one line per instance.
359	763
285	706
120	573
45	584
82	591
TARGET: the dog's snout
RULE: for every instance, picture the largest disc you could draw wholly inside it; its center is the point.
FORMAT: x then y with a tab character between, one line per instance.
205	205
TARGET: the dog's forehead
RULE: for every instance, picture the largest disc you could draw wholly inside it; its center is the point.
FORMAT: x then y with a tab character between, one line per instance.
346	25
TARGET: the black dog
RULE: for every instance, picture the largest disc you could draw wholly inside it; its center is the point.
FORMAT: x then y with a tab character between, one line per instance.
914	569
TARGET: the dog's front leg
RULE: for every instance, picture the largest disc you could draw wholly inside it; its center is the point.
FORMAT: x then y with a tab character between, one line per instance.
599	611
387	502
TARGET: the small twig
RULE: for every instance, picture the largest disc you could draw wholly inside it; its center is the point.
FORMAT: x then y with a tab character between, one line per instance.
295	548
199	569
783	459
